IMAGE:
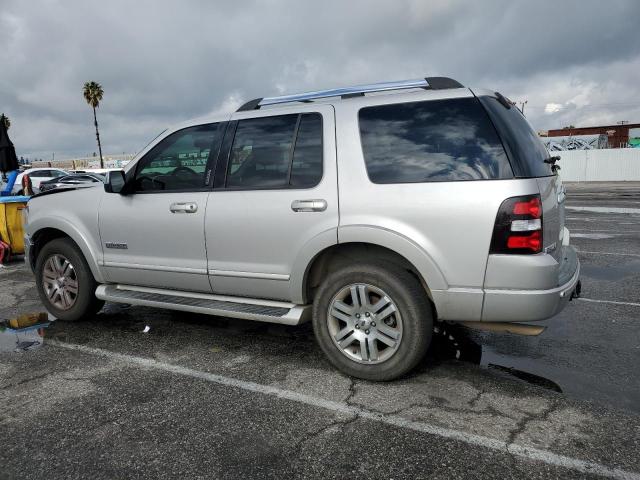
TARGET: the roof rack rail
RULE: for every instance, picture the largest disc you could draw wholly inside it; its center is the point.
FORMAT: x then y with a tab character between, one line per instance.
430	83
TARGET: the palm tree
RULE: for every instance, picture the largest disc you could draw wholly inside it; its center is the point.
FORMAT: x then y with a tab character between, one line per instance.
4	119
93	95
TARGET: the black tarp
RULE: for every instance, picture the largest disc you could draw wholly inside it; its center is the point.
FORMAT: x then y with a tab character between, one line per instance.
8	159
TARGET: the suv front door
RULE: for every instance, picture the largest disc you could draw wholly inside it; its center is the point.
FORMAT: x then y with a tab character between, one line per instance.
274	203
154	235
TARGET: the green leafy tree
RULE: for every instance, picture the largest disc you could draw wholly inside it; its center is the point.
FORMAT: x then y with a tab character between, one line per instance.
93	95
5	120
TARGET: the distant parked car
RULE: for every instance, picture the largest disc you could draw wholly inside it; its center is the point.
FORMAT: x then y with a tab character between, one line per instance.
37	176
75	180
102	171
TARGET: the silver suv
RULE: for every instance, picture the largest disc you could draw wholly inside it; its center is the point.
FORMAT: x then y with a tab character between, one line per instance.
374	211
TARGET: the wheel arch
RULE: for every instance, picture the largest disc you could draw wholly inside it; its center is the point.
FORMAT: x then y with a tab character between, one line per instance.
44	235
337	255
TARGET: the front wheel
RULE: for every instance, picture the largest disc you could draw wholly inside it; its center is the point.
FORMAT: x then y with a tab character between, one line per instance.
64	280
373	321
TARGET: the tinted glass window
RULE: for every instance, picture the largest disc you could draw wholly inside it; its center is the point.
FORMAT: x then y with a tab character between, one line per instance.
306	169
179	162
526	150
261	152
40	173
432	141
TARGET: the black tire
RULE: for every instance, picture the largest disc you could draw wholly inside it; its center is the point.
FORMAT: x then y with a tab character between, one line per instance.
412	303
86	304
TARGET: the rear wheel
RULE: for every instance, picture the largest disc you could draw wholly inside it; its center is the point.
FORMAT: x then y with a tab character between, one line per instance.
372	321
64	280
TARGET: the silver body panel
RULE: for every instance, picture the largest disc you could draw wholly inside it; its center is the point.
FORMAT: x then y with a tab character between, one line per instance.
258	244
74	213
163	249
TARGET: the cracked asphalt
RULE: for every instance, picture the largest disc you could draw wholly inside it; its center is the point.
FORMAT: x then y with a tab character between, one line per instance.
211	397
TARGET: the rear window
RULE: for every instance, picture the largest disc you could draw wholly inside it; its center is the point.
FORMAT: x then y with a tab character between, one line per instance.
525	149
431	141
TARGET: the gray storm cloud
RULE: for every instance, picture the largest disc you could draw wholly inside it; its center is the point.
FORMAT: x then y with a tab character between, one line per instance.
576	62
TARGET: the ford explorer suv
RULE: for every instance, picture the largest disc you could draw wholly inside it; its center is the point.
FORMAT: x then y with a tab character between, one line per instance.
373	211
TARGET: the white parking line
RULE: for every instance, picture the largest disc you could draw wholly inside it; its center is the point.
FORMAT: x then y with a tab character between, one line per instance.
599	220
612	302
592	236
610	253
527	453
604	209
617	231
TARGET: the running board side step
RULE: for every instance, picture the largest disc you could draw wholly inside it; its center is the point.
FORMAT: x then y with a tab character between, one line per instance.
225	306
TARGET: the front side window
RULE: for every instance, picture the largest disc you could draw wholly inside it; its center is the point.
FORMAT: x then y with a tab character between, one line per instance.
180	161
283	151
431	141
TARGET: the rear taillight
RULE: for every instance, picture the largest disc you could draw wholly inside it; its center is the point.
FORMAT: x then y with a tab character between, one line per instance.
518	227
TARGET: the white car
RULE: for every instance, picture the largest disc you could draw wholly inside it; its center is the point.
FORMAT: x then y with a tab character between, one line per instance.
37	176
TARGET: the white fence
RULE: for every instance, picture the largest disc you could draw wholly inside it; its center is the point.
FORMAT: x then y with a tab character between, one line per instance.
110	161
610	165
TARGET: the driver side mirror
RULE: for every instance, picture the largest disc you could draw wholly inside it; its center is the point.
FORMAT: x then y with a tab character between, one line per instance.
115	182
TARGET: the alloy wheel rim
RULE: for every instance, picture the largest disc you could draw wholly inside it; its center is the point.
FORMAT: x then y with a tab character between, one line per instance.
364	323
60	282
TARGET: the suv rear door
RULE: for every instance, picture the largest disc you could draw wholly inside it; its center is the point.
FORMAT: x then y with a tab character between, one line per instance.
275	201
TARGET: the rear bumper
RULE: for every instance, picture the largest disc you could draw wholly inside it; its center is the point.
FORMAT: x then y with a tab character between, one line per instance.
527	305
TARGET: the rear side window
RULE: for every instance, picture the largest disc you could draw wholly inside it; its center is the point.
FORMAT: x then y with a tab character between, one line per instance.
525	149
431	141
283	151
306	167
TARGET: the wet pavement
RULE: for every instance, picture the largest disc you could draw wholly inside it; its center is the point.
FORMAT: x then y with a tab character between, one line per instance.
146	393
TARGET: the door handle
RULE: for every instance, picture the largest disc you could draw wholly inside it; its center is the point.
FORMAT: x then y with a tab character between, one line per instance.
189	207
309	205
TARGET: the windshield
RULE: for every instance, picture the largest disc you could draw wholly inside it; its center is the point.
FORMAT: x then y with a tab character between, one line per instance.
524	148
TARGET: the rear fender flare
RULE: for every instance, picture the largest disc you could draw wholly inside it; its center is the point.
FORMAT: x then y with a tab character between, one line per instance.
404	246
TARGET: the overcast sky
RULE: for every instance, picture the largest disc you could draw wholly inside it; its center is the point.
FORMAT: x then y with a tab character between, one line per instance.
576	62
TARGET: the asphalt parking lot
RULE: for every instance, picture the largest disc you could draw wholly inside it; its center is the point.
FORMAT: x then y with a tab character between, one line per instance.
209	397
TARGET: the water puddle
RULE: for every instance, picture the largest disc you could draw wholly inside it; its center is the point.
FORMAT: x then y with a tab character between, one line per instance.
23	333
452	342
